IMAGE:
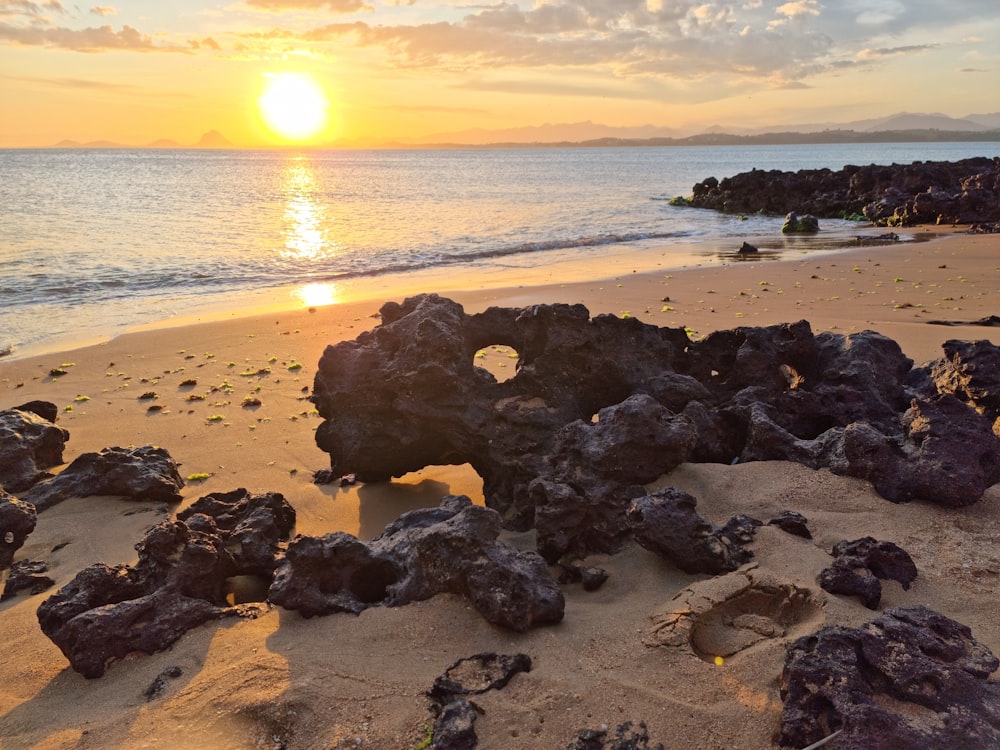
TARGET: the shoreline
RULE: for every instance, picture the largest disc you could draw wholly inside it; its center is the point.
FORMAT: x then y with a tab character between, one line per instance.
346	681
567	267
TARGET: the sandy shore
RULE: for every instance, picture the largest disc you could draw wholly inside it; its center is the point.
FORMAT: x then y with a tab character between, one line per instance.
344	681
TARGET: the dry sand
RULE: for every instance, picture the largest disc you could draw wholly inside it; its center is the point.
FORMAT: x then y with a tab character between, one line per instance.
342	681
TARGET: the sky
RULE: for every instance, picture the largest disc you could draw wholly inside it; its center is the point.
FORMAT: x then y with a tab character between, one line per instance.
134	71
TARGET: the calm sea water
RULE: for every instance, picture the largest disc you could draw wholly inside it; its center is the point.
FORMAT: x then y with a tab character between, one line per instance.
95	241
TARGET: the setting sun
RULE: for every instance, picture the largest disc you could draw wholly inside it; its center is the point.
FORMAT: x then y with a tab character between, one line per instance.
293	105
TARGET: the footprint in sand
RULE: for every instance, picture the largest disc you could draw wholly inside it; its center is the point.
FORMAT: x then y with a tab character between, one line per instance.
722	616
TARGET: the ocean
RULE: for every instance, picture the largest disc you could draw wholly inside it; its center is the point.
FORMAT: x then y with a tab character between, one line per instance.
94	242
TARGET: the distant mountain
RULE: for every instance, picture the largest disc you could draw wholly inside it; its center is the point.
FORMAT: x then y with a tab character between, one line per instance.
213	139
926	122
548	133
991	120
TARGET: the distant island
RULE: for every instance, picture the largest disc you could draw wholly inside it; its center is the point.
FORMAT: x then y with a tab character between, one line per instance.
211	139
899	128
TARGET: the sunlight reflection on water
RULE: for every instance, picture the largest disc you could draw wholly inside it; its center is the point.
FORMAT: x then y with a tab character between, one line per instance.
305	220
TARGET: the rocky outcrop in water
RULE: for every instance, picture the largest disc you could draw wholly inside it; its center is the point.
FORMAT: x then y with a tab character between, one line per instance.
143	473
912	678
453	548
599	407
961	192
179	582
30	443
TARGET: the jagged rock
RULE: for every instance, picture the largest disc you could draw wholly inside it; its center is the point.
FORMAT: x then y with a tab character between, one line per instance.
625	738
800	224
859	566
747	249
474	675
792	522
666	522
143	473
17	521
29	444
26	575
911	678
252	525
45	409
179	582
157	686
599	407
590	576
449	549
964	191
970	371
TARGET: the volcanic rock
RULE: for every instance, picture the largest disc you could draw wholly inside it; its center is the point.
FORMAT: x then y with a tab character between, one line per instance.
666	522
26	575
29	444
453	548
964	191
800	224
143	473
859	566
179	582
911	678
17	521
599	407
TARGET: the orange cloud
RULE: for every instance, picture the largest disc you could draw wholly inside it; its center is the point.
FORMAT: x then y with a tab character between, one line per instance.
99	39
337	6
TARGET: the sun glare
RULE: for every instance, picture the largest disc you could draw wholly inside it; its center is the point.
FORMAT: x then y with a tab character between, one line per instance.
293	106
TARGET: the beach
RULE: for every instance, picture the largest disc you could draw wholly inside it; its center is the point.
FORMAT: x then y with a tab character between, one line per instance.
282	681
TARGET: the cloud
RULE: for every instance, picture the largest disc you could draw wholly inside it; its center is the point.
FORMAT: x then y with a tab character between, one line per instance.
30	9
103	10
93	39
798	8
336	6
868	54
208	42
73	83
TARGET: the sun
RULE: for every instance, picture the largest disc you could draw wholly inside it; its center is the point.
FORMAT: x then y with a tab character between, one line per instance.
293	106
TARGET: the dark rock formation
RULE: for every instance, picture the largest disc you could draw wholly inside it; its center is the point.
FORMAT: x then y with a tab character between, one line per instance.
624	738
912	678
17	521
449	549
860	565
965	191
793	523
599	407
157	686
800	224
970	370
29	444
474	675
26	575
667	523
747	249
251	526
144	473
179	582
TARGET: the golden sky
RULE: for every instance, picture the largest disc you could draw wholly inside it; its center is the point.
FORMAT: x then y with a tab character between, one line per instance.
142	70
